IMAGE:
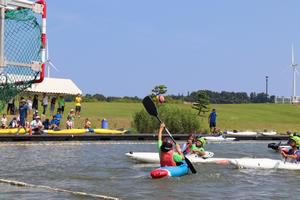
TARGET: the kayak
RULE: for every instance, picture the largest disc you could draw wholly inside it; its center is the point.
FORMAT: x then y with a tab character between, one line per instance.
269	133
83	131
66	132
264	163
243	133
218	138
151	157
171	171
108	131
13	131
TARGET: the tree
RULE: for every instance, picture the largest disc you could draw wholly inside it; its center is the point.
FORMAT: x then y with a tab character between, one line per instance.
201	104
159	90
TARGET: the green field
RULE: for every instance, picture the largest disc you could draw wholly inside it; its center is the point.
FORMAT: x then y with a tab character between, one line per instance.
256	117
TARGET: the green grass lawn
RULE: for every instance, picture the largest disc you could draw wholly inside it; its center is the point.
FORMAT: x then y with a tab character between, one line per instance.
256	117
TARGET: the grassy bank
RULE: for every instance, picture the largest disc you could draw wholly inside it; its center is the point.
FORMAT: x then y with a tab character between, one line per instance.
256	117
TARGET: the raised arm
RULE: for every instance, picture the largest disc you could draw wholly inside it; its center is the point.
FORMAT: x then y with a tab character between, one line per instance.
161	129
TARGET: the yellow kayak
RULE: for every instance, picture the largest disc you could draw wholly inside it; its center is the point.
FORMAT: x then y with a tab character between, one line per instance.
13	131
82	131
108	131
66	132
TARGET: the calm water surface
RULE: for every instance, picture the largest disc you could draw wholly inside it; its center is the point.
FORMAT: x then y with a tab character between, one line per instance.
102	168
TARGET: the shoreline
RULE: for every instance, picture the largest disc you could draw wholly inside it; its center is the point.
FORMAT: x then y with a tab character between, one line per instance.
117	137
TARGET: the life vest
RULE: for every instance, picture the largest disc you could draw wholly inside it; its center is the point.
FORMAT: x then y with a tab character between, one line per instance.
187	149
166	158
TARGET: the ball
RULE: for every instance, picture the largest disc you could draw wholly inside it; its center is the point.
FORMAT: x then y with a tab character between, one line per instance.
161	99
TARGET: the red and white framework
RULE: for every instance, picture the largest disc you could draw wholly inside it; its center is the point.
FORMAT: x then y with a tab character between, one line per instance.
38	7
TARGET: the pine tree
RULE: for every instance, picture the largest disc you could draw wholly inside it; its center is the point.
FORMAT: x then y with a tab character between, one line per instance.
202	104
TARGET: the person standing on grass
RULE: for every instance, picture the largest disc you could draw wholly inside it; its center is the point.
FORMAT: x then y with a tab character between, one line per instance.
212	121
61	104
52	105
45	103
78	105
29	104
35	102
10	107
23	110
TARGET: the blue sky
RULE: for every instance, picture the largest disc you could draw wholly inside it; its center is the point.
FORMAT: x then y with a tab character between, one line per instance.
125	48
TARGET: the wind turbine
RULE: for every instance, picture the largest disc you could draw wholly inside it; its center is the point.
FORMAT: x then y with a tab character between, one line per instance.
294	65
48	62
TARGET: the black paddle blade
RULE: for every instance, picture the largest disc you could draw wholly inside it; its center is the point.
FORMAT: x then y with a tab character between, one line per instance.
191	166
150	106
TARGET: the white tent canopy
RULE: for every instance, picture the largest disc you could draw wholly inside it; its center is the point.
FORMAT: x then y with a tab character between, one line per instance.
55	86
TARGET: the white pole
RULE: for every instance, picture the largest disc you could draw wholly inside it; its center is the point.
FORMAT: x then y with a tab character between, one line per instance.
48	67
294	65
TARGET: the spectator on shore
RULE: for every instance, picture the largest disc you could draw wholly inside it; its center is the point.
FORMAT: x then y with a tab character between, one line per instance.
35	113
52	105
45	103
36	126
23	110
54	123
61	104
29	104
88	125
46	124
78	105
13	123
212	121
35	102
58	116
4	121
71	115
11	107
69	123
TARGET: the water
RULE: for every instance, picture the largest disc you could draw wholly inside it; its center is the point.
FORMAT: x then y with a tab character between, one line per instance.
102	168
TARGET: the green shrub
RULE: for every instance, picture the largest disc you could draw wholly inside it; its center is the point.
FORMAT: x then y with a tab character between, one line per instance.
144	123
177	120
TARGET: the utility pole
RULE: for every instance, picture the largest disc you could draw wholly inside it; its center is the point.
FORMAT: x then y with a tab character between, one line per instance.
267	79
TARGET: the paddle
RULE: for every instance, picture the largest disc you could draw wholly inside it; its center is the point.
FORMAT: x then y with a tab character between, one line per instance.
152	110
274	146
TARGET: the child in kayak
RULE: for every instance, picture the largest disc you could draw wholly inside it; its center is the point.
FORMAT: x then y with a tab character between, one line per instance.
197	148
293	154
168	156
186	147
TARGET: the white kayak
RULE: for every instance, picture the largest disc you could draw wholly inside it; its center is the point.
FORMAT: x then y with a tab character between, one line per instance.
243	133
268	133
218	138
264	163
151	157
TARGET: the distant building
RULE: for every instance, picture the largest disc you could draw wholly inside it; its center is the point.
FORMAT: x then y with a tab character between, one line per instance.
288	100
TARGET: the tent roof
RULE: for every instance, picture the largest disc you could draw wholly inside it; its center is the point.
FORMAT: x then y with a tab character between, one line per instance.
55	86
